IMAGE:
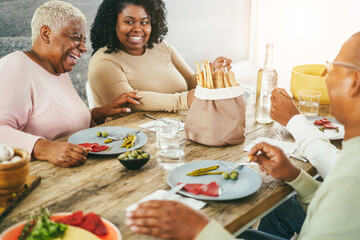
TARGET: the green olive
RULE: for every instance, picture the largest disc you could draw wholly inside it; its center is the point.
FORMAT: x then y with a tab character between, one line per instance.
234	176
98	134
105	134
145	155
131	157
139	151
122	156
234	172
126	158
225	175
139	157
127	153
134	154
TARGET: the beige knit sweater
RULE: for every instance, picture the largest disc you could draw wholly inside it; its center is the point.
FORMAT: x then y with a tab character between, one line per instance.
161	76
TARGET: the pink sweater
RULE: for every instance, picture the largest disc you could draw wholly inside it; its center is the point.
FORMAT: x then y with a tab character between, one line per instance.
36	104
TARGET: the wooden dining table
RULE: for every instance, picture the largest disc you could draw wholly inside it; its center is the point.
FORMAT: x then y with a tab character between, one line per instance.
102	185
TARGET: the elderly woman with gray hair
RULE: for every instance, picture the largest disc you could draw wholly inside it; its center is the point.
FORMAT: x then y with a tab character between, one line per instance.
38	102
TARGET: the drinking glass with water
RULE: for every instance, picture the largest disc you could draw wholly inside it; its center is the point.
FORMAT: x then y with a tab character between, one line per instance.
166	125
171	149
309	101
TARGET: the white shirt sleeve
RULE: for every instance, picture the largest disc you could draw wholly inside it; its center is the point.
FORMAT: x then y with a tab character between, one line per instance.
313	144
213	230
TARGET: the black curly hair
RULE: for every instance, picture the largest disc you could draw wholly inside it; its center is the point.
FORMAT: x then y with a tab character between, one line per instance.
103	31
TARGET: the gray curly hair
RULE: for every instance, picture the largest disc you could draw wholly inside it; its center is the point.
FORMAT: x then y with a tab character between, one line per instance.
56	15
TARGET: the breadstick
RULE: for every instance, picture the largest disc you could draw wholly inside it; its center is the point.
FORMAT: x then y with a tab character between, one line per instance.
208	73
200	74
211	73
197	67
198	80
202	79
205	75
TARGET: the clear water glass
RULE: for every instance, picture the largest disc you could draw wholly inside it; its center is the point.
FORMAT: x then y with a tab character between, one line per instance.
171	149
309	101
166	125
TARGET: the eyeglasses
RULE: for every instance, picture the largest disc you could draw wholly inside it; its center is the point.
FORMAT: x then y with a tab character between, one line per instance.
330	65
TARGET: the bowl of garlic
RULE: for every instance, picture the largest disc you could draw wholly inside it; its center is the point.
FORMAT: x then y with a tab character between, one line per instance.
14	169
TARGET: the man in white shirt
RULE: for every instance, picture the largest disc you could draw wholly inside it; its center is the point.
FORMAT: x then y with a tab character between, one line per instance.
288	218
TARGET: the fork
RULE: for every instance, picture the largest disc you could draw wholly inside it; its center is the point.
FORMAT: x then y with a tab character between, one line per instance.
172	191
155	118
241	165
124	135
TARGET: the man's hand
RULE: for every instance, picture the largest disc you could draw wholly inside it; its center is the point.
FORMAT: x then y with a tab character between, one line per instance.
272	160
62	154
283	107
166	219
115	107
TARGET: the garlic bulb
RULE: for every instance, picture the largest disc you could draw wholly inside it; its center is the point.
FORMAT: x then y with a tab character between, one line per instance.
15	159
6	152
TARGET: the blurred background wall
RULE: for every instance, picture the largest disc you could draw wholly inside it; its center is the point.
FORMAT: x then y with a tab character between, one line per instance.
302	31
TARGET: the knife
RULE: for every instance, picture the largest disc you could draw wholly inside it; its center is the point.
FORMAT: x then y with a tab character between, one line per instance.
172	191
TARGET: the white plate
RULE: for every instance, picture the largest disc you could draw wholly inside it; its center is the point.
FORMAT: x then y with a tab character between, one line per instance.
331	134
247	183
89	136
15	230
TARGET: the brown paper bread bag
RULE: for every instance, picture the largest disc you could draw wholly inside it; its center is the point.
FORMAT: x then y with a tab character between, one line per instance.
217	116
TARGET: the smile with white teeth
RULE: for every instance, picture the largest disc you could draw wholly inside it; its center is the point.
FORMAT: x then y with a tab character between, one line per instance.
135	38
73	56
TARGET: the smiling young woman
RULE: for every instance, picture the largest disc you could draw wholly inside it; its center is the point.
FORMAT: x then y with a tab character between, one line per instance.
133	29
129	53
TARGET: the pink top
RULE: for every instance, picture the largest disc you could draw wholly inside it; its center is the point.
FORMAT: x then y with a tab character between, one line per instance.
36	104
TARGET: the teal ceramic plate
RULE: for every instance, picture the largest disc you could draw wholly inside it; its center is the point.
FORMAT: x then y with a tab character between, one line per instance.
248	182
331	134
89	136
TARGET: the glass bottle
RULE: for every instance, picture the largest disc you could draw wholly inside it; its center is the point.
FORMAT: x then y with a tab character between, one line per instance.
266	81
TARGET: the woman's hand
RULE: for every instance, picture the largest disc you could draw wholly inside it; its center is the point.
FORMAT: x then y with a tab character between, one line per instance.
283	107
115	107
166	219
272	160
221	62
62	154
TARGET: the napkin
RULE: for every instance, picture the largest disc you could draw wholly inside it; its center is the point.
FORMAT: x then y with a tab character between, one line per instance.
151	126
157	195
287	147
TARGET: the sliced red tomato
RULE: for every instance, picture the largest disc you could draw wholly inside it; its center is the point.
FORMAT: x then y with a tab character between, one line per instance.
90	222
318	122
211	189
321	121
94	224
74	219
88	145
88	149
330	125
99	148
100	228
